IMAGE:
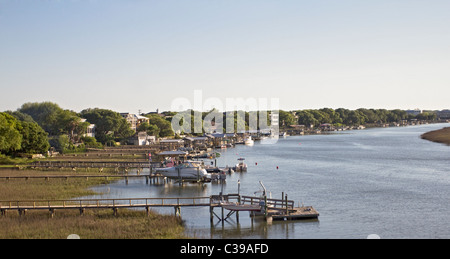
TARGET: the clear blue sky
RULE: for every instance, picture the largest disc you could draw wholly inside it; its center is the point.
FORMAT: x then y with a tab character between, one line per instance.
135	54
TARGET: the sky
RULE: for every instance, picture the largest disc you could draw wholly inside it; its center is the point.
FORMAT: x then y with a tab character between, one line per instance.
131	55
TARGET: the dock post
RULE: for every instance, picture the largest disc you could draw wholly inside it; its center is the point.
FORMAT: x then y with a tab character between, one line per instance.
287	209
52	212
265	207
211	214
237	212
177	211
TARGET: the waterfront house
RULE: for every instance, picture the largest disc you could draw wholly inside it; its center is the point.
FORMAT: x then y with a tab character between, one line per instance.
90	130
142	139
134	120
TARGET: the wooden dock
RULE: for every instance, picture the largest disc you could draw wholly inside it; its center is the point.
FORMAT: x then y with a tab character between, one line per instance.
115	204
94	164
67	177
271	209
276	209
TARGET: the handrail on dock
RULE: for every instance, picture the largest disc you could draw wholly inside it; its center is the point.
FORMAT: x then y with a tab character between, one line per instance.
274	203
214	201
104	203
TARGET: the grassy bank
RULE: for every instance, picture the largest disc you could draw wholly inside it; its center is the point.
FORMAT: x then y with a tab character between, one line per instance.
93	224
439	136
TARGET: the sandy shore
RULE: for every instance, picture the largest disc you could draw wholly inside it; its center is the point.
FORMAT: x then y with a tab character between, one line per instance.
439	136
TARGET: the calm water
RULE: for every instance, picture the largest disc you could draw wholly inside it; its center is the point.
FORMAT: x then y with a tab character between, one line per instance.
387	182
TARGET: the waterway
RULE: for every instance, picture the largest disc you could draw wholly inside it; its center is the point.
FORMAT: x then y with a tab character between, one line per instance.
383	181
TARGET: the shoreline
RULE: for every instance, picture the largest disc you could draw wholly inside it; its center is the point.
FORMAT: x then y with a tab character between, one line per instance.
441	136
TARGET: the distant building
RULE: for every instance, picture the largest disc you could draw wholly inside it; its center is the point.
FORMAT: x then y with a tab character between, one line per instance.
90	131
414	112
444	114
134	120
142	139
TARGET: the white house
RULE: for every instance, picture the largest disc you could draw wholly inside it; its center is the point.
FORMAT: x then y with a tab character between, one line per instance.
90	131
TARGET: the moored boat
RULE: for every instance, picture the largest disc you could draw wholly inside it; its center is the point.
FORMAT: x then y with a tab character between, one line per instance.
241	166
188	170
249	141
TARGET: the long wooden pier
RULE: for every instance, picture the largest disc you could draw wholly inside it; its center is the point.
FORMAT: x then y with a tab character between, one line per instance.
273	209
114	204
94	164
67	177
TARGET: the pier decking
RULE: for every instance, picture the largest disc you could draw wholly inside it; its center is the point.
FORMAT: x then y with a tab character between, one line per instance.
276	212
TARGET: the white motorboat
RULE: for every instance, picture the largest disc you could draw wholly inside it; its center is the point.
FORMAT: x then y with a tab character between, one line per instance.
241	166
249	141
188	170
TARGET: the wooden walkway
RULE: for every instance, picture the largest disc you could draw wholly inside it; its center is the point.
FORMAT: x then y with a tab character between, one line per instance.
114	204
93	164
275	209
67	177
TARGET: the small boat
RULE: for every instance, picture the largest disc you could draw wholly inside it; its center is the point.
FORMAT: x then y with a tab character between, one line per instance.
241	166
234	206
249	141
188	170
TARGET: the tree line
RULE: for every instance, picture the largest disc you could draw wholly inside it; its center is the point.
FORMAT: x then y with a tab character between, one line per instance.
345	117
36	127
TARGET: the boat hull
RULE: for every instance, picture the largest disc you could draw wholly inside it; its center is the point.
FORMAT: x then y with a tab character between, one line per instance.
240	207
183	173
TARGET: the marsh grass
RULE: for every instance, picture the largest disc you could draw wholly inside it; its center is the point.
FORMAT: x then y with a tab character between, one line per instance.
94	224
439	136
129	224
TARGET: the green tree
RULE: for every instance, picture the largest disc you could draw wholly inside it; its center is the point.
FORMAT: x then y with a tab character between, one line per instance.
151	130
286	118
10	137
306	118
45	114
110	125
61	143
55	120
34	138
164	126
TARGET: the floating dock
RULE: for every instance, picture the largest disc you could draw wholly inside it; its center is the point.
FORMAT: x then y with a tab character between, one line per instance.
299	213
